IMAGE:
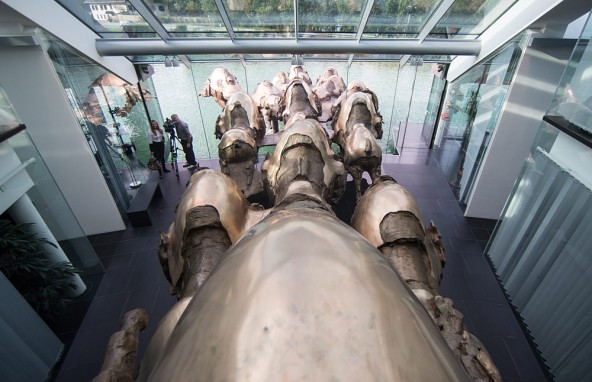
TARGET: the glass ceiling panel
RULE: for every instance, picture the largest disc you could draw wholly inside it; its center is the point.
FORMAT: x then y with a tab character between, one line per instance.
261	18
324	57
467	19
189	18
272	57
213	57
398	19
110	18
329	18
377	57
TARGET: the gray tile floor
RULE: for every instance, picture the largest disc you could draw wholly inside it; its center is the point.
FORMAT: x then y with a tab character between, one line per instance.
133	277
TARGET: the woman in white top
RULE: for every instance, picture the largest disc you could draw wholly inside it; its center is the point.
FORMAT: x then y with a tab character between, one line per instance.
156	143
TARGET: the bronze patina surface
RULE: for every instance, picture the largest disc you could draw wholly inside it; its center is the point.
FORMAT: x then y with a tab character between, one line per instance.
304	297
291	292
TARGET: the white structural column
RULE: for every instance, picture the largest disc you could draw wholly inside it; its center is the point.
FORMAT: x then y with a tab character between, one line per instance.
23	211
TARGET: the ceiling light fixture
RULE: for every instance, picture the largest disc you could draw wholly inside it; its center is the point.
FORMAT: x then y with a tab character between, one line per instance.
175	61
167	62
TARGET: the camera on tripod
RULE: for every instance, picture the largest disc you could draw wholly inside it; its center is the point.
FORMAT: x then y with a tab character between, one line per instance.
169	126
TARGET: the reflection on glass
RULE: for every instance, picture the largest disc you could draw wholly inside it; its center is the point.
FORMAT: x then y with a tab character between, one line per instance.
467	19
110	18
541	250
44	194
572	105
541	245
55	211
111	115
470	114
398	19
8	118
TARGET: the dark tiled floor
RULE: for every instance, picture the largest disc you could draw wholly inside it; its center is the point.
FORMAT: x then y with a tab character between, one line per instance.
133	277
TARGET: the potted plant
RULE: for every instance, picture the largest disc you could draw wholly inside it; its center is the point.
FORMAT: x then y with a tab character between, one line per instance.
24	261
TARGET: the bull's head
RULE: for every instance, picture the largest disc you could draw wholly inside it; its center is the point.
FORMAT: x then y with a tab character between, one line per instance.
303	158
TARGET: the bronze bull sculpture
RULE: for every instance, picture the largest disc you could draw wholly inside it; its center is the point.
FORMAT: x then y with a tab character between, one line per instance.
328	88
293	293
221	84
238	128
267	97
356	127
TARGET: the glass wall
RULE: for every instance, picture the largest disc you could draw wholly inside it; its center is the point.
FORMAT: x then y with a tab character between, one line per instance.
111	114
114	114
541	246
44	193
470	115
178	90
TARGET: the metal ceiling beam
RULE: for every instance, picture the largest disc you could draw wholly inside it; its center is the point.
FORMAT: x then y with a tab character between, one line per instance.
364	20
185	60
225	19
227	24
362	26
430	24
136	47
434	18
150	19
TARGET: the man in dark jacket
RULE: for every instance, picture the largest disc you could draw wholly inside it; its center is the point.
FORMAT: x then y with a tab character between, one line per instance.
186	141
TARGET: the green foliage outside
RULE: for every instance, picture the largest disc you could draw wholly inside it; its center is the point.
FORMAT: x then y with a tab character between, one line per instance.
311	7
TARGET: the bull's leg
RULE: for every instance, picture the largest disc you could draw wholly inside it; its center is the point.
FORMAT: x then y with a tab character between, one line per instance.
356	173
418	257
205	242
224	167
120	358
404	249
374	173
249	170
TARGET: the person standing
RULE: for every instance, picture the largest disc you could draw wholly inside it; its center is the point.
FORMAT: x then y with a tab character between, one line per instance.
156	144
186	141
